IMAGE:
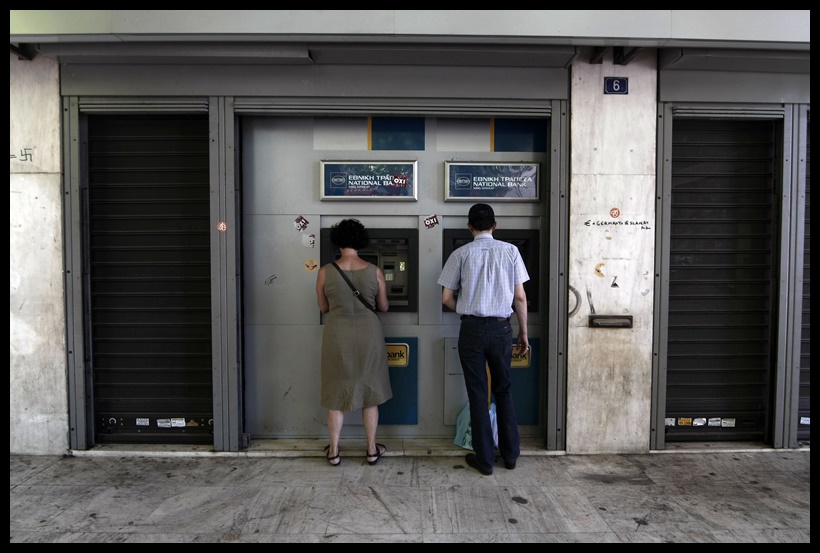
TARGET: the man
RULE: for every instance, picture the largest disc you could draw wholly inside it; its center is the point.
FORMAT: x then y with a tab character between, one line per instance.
489	277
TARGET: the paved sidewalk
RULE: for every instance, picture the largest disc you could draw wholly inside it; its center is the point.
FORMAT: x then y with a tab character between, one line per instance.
748	496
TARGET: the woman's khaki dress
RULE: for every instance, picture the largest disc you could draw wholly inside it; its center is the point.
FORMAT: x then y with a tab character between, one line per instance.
354	356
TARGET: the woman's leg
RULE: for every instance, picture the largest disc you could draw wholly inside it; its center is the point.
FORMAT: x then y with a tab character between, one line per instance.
370	417
335	421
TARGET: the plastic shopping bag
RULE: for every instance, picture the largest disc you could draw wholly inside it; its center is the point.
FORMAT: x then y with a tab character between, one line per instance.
464	434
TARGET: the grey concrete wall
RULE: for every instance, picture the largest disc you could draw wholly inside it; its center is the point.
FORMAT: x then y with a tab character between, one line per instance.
38	397
611	257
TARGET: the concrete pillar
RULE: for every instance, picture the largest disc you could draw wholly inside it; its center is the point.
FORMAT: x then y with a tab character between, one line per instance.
38	398
611	255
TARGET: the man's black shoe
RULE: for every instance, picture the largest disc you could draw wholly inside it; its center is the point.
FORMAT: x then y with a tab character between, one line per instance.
509	465
472	460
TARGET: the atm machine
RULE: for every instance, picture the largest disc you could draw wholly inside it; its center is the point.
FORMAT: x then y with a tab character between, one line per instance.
396	252
526	240
525	373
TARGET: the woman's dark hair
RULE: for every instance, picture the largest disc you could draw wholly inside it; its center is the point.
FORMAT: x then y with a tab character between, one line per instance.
349	233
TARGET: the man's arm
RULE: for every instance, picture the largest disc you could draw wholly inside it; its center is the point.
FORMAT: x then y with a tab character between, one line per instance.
520	303
448	297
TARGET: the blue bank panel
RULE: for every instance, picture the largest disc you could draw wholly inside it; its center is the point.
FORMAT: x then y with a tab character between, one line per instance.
398	133
526	389
403	407
520	135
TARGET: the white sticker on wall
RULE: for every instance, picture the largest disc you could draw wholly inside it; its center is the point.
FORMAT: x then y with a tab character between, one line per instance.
699	421
164	423
143	422
670	421
714	421
178	423
805	420
727	423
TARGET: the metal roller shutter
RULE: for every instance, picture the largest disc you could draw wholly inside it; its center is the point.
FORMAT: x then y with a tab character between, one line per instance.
148	282
721	286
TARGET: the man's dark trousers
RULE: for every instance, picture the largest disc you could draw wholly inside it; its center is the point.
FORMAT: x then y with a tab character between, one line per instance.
483	343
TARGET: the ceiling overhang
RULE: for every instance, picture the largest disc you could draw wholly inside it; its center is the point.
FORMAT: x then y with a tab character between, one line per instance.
322	52
723	59
302	53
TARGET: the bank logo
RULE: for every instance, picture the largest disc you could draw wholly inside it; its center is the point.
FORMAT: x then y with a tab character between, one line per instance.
338	180
464	180
398	355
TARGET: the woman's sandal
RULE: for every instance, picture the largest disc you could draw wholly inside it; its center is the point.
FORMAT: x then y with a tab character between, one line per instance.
336	460
373	458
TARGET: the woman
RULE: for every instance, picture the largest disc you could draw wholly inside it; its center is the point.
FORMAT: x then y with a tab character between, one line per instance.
354	358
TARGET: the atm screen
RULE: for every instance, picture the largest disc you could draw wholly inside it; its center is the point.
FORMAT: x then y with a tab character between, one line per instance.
526	240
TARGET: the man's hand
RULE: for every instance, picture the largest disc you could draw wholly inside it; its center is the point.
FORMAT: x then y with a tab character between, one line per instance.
522	344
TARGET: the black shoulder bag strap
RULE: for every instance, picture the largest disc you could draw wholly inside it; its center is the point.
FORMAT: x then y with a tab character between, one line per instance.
355	292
